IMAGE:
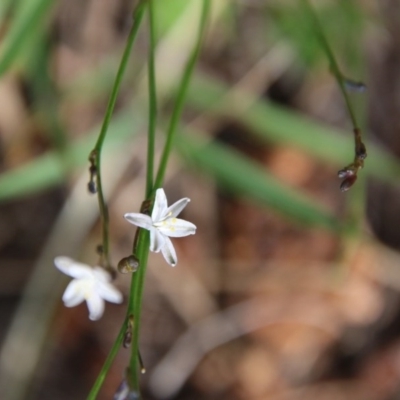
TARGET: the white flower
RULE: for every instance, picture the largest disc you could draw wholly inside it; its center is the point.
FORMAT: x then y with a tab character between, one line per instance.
163	224
90	284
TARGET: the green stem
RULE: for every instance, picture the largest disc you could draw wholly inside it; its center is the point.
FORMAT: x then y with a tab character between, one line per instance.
137	18
142	242
332	60
141	249
135	304
107	364
96	155
181	95
152	102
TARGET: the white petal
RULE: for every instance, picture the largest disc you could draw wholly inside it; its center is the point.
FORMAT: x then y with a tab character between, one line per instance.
169	253
73	294
157	240
141	220
96	306
175	227
160	205
101	275
109	292
176	208
72	268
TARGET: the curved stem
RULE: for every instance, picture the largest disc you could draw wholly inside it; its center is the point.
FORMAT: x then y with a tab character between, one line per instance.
332	61
96	153
349	172
182	90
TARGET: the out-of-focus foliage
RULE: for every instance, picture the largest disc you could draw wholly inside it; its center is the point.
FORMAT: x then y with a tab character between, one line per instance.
263	134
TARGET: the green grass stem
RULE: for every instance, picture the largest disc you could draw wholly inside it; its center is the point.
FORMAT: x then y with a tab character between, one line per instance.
152	101
137	19
181	95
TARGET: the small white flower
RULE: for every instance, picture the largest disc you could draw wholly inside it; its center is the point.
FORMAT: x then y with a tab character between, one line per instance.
90	284
163	224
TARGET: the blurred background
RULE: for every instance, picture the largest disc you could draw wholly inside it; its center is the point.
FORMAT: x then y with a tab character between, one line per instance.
290	288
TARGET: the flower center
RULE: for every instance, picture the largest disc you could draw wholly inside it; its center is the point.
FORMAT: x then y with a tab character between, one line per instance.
168	223
86	287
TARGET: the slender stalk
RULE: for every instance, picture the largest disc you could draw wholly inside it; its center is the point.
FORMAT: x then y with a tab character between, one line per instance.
96	153
142	242
182	90
95	159
334	67
141	249
107	364
135	305
152	101
349	172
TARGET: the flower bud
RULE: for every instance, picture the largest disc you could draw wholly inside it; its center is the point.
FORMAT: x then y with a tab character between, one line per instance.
346	172
127	339
92	187
129	332
128	264
361	151
348	183
354	86
125	393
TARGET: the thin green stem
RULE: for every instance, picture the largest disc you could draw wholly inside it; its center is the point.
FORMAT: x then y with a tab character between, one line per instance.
152	101
95	159
107	364
334	67
96	153
141	249
181	95
142	241
349	172
135	304
137	19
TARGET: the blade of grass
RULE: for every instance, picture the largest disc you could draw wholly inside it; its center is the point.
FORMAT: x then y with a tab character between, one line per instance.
279	125
246	178
47	171
28	16
270	122
44	93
